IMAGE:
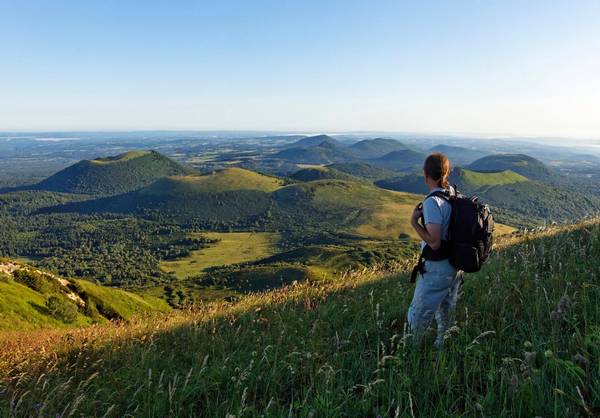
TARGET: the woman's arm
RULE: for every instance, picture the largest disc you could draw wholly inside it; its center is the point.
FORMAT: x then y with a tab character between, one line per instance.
431	233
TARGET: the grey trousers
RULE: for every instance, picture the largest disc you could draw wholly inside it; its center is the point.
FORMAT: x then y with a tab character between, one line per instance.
436	294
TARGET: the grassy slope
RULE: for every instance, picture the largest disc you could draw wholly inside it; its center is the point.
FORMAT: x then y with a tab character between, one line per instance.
478	179
232	248
226	180
341	350
352	206
24	308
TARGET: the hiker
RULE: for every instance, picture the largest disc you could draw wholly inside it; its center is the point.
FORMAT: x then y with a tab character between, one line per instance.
437	282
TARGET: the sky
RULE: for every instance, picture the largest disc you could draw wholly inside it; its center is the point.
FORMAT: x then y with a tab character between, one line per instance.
529	68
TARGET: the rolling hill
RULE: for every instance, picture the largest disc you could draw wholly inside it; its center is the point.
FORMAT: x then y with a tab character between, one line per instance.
519	163
325	152
459	156
226	195
516	199
349	206
363	170
526	342
374	148
403	160
25	294
313	141
240	197
112	175
320	173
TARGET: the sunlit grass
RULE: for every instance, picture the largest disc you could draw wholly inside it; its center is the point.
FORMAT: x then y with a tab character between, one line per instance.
526	343
230	248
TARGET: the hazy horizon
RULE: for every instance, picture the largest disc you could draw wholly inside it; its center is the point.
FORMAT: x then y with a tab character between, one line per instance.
454	68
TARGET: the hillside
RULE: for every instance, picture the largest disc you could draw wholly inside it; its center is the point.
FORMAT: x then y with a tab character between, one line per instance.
346	205
519	163
363	170
517	200
244	198
320	173
526	343
112	175
374	148
313	141
467	181
403	160
325	152
227	195
25	292
459	156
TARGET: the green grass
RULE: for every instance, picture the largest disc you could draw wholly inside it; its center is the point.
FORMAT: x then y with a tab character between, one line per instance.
475	179
120	158
231	248
225	180
125	304
342	350
353	207
23	307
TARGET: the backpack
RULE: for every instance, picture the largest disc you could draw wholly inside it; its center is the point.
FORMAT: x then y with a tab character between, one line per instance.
470	233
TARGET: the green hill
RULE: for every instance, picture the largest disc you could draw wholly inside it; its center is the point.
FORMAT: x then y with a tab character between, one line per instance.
224	196
26	293
526	342
314	141
324	153
403	160
218	181
320	173
242	198
516	200
519	163
374	148
350	206
363	170
112	175
459	156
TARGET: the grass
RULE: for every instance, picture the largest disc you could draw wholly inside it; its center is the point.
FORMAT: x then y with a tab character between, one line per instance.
355	206
225	180
23	308
130	155
475	179
231	248
526	343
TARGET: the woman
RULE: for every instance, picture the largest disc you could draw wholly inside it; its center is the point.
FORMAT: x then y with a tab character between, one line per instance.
436	291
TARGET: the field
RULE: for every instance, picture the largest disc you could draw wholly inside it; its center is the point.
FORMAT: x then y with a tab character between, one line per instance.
478	179
232	248
526	343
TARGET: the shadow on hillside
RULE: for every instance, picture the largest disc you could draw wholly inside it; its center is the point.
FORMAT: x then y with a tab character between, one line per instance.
363	317
40	309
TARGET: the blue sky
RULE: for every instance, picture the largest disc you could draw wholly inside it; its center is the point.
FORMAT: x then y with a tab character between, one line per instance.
480	67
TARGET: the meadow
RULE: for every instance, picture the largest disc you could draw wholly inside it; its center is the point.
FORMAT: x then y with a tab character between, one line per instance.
526	343
230	248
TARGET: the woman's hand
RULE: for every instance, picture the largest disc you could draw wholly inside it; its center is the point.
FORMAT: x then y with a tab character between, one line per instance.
417	214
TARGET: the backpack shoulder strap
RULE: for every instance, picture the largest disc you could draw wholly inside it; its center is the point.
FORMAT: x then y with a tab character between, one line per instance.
444	194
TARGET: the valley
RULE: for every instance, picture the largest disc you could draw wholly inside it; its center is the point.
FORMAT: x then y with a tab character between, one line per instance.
235	215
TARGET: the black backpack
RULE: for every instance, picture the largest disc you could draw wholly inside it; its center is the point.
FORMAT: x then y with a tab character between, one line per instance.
470	233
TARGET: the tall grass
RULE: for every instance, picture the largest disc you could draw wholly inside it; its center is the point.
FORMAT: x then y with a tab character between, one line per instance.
526	343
